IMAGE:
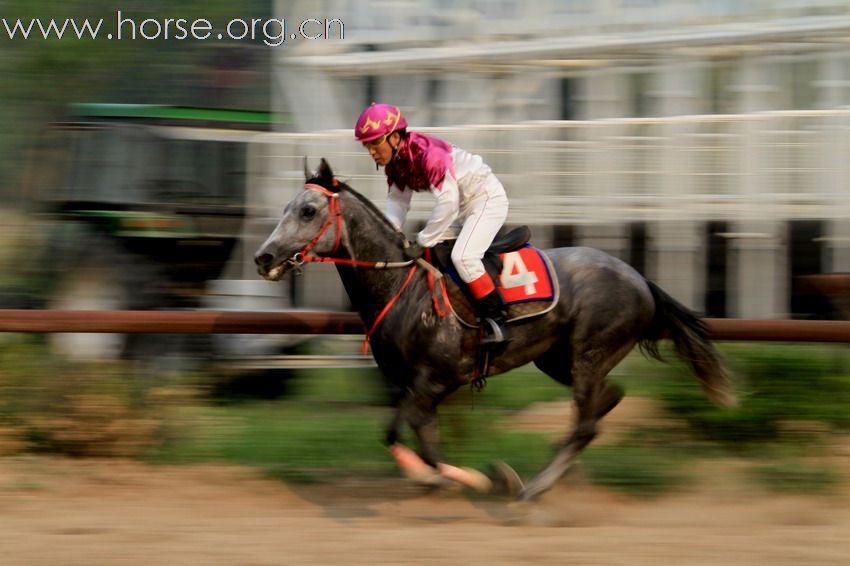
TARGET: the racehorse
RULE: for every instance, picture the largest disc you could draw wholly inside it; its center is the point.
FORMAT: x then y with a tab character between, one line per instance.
605	308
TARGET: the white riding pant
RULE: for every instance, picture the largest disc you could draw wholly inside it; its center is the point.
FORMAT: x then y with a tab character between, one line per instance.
486	215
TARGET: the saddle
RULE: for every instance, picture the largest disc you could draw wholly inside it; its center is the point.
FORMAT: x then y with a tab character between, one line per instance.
523	275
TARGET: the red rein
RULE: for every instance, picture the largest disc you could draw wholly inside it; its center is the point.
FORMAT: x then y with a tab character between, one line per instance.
335	217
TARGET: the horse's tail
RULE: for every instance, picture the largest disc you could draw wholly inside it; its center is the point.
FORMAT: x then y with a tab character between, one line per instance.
690	339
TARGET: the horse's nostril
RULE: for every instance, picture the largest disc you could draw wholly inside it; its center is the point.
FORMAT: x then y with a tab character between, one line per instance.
263	260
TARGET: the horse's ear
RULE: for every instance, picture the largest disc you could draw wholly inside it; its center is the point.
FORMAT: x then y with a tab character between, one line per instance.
325	172
307	173
326	176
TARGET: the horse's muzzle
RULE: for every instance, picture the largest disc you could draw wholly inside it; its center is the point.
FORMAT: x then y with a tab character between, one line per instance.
267	269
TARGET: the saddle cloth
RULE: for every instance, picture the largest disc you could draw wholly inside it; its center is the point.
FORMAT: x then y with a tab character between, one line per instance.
524	277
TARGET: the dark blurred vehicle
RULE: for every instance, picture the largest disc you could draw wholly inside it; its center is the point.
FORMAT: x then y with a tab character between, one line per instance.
143	206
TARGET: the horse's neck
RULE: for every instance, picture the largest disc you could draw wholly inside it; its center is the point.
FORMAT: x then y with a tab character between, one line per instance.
369	238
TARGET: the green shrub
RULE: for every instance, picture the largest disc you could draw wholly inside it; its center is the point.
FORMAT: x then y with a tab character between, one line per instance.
51	405
637	470
777	384
796	478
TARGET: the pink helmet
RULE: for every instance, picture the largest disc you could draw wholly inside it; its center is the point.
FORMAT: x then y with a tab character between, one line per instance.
377	121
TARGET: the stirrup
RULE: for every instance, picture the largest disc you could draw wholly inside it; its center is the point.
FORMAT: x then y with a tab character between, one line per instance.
497	333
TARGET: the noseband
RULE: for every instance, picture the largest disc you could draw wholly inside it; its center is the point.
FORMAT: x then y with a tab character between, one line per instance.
335	217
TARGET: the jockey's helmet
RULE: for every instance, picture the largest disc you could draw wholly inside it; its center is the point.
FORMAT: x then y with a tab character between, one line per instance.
378	121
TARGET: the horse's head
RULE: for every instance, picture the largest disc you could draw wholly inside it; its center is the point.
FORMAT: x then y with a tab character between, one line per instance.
309	224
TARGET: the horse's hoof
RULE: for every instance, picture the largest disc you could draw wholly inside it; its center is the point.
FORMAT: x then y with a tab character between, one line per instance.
529	493
468	477
478	482
505	480
425	476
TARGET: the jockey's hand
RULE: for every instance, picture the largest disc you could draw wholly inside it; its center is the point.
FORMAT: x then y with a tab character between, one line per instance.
413	251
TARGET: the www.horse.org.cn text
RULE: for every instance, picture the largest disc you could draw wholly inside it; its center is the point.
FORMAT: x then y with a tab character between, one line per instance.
273	32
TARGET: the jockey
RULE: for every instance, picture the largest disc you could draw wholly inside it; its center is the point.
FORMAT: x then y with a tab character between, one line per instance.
471	204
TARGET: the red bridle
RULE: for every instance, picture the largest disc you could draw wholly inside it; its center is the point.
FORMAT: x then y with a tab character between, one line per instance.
334	214
335	217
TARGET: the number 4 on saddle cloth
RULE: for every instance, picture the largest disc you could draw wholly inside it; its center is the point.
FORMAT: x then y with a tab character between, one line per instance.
523	275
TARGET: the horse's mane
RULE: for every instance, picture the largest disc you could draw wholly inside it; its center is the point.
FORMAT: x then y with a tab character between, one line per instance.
371	206
377	212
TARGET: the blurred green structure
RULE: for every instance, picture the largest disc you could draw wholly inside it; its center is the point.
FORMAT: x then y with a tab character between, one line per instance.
140	207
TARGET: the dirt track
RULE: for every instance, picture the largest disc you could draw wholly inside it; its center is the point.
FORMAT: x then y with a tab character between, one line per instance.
117	513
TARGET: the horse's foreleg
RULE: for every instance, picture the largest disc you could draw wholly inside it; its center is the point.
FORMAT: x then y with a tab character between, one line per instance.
422	469
469	477
419	409
394	429
424	424
413	466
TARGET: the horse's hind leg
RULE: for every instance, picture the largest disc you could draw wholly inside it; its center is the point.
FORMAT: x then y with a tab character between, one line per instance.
558	365
594	398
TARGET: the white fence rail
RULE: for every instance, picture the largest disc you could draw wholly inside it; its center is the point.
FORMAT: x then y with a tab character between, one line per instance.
754	172
761	166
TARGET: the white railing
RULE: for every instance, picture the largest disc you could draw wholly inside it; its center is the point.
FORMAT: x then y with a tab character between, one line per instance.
765	166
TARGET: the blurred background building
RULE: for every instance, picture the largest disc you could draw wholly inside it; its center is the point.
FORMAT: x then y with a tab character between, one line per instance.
704	142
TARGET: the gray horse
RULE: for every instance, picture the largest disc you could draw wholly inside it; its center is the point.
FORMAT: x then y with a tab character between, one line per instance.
605	309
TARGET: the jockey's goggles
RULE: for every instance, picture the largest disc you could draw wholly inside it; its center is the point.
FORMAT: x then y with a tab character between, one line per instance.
377	142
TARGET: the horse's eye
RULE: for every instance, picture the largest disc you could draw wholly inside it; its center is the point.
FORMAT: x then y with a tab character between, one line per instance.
308	212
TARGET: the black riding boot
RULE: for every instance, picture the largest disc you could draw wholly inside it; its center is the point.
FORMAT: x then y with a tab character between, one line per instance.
491	311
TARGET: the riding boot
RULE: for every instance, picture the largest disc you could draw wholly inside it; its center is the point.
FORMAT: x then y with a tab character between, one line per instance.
491	311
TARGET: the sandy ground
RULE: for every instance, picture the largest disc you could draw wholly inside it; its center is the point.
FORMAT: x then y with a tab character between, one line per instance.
116	513
104	512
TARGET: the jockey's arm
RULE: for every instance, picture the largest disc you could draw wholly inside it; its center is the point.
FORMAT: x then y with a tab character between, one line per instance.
398	203
444	213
